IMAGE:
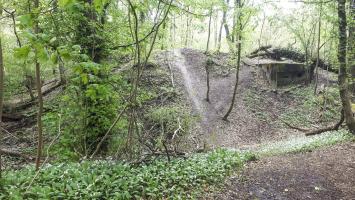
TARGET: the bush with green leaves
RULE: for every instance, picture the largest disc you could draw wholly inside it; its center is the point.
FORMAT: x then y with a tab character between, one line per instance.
168	121
91	105
178	179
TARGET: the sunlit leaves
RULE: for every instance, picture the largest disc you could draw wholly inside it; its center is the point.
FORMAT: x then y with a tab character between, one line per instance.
41	52
54	57
99	5
23	52
66	3
26	21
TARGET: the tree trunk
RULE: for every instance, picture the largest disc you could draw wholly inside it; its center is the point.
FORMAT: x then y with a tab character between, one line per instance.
310	54
40	99
28	84
12	14
1	99
208	81
233	35
342	77
239	51
215	28
174	31
209	31
187	29
219	44
226	28
61	68
318	47
225	118
352	45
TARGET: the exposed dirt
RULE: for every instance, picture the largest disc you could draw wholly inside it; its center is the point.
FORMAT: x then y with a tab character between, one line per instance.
326	173
244	130
20	135
323	174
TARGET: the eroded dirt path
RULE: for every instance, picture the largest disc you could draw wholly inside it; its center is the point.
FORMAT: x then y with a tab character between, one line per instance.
244	130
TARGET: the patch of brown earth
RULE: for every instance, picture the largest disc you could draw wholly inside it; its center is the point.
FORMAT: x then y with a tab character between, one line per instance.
323	174
244	129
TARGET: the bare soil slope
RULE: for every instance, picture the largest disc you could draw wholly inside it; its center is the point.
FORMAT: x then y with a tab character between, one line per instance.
244	129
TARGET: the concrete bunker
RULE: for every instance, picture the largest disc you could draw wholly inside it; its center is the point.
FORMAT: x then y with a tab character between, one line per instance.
282	73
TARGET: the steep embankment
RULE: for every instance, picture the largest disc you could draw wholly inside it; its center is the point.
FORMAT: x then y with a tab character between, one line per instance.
256	123
244	129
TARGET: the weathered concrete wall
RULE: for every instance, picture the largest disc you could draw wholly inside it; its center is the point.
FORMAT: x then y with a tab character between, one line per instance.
281	74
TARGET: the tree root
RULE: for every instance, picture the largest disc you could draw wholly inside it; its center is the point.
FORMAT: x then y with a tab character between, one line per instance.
329	128
295	127
309	132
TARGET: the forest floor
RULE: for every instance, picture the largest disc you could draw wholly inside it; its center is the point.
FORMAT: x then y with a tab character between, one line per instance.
255	124
325	173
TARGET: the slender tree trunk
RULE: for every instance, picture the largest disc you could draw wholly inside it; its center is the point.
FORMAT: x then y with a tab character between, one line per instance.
12	14
187	30
225	118
226	28
318	47
239	51
28	76
1	99
209	31
215	28
233	35
223	24
352	45
40	99
229	34
208	81
29	83
342	78
61	68
219	42
174	31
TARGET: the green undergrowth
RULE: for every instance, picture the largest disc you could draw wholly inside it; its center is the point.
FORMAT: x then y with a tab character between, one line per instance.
304	144
178	179
323	108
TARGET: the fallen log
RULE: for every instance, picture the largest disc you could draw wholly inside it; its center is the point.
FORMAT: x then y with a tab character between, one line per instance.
12	117
262	48
27	104
295	127
15	154
309	132
329	128
258	55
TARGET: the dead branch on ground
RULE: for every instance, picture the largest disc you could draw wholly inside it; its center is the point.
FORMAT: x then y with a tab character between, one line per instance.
7	152
309	132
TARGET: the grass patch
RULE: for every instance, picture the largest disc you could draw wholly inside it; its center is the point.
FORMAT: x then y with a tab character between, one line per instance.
179	179
304	144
